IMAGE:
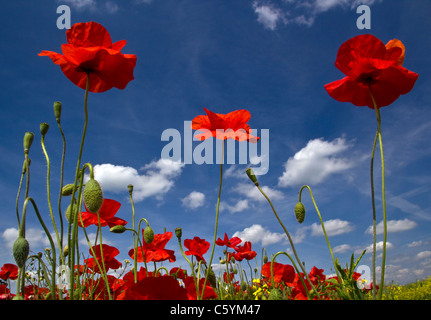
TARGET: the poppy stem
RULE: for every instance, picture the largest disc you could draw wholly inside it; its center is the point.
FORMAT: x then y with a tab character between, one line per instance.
72	238
323	226
385	231
290	239
374	214
216	221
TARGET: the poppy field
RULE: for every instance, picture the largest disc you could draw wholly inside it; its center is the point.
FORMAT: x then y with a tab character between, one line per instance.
375	77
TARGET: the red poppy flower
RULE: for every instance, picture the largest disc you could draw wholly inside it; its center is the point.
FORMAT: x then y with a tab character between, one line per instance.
89	49
231	243
155	288
109	254
370	65
155	251
224	126
9	271
190	285
245	252
282	272
107	215
197	247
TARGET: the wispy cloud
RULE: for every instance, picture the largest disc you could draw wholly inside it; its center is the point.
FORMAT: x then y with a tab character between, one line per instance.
238	206
271	14
102	6
315	162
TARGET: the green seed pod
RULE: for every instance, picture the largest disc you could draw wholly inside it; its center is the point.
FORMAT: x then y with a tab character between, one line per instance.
148	235
28	140
20	249
275	294
57	110
118	229
93	196
67	190
244	286
300	212
44	127
130	188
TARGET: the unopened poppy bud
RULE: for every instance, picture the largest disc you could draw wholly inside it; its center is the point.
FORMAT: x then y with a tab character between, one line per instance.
20	250
44	127
179	233
275	294
67	190
28	140
24	165
265	259
57	110
148	234
300	212
212	278
69	216
66	251
130	187
93	196
118	229
251	175
243	285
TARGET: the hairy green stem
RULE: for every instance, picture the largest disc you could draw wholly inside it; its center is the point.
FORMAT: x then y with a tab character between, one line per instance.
374	215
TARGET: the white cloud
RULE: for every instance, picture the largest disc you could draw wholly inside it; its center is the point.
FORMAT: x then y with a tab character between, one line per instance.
379	246
239	206
92	5
80	4
393	226
267	15
35	237
332	227
301	12
424	254
342	248
157	179
250	191
194	200
415	244
315	162
256	233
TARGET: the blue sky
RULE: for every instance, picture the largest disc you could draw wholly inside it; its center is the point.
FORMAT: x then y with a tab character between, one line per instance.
270	57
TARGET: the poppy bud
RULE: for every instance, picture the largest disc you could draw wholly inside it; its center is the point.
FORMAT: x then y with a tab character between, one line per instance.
275	294
212	278
69	215
20	250
148	234
67	190
251	175
118	229
24	165
179	233
28	140
66	251
265	259
93	196
44	128
130	187
300	212
57	110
